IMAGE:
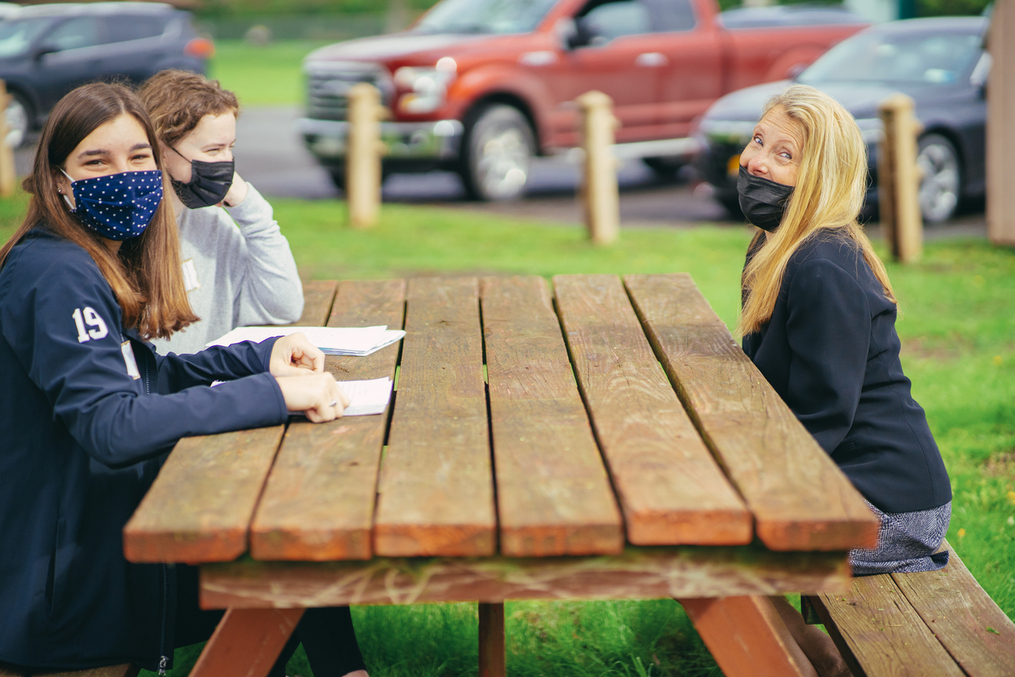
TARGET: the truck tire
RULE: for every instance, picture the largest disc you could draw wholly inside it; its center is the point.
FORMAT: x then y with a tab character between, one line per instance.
338	178
19	119
496	154
941	184
665	168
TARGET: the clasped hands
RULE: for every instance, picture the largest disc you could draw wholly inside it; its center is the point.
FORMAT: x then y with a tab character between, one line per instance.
298	367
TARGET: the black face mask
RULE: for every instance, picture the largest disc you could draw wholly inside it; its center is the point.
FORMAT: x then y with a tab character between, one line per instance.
762	201
209	182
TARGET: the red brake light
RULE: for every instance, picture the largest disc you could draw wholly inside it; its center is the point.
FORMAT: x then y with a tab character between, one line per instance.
202	48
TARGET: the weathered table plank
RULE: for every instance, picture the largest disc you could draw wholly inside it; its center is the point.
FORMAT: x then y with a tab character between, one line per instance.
799	498
671	489
252	638
972	628
319	500
894	641
318	296
746	636
553	493
637	573
436	484
200	507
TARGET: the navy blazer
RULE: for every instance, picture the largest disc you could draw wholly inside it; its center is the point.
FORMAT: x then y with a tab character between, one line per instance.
831	351
89	411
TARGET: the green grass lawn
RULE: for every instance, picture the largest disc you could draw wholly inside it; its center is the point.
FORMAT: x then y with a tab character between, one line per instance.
958	335
262	75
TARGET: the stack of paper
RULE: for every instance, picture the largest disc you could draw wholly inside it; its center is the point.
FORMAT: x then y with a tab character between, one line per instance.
366	398
358	341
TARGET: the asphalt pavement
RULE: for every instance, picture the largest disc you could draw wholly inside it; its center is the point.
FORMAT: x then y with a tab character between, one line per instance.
270	154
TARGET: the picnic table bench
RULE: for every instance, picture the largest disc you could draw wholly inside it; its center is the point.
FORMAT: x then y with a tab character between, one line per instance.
603	439
931	623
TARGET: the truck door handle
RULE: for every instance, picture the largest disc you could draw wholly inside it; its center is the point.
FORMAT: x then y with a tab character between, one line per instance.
651	60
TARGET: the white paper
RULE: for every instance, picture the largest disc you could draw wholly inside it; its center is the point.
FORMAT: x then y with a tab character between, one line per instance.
358	341
366	398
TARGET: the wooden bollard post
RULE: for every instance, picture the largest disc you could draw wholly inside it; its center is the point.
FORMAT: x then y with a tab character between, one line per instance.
899	180
363	159
1000	135
7	177
600	195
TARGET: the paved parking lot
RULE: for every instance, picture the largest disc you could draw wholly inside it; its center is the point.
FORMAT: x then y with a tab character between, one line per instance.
270	154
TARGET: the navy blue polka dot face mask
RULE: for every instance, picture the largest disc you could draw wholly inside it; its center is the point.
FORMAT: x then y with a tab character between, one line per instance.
118	206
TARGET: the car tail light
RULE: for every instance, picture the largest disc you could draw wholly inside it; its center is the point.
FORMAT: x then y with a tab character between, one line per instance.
202	48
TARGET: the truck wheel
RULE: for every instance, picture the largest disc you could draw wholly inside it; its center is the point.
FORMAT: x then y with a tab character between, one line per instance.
496	153
666	168
732	204
19	117
940	187
338	178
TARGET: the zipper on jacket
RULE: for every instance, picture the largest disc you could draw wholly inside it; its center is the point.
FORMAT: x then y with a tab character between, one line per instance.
164	569
163	658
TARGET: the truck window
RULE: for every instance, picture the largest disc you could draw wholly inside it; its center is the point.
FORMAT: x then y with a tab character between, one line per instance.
671	16
602	22
484	16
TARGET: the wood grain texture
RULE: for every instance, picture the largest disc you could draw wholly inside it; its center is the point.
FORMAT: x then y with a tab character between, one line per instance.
318	296
200	506
246	642
553	494
123	670
967	622
637	573
671	489
319	501
492	650
799	497
745	636
882	631
436	484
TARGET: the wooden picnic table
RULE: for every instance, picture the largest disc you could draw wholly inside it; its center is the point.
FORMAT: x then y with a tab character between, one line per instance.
597	438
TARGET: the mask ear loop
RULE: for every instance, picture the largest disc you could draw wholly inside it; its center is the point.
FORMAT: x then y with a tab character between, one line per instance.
70	205
181	155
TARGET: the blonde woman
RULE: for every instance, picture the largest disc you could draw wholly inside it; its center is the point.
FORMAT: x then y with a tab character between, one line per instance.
818	320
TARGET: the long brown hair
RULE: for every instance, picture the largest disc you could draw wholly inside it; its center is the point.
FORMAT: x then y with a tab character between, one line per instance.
829	193
145	274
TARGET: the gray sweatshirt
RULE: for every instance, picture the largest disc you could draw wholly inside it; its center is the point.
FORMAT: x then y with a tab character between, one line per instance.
234	276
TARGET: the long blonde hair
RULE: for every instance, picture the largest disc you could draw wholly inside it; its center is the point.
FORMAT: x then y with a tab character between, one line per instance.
829	193
145	273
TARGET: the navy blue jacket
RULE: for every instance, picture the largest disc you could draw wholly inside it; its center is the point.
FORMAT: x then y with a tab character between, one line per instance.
87	417
832	353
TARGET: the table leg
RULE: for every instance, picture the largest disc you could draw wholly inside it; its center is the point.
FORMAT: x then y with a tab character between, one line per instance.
746	637
492	655
246	642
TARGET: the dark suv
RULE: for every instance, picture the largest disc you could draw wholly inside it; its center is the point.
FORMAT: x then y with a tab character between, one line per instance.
48	50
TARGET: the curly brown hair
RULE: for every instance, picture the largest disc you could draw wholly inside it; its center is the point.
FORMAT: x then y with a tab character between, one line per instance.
177	100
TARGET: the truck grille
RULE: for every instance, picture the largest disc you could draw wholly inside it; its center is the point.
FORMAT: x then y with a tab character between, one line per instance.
328	84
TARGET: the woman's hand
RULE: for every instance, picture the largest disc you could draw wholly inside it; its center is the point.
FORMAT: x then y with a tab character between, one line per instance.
237	192
318	396
294	355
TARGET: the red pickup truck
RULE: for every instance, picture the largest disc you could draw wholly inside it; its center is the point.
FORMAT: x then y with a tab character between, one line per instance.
481	86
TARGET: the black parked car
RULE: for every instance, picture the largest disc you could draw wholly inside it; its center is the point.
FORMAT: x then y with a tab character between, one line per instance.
939	62
48	50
